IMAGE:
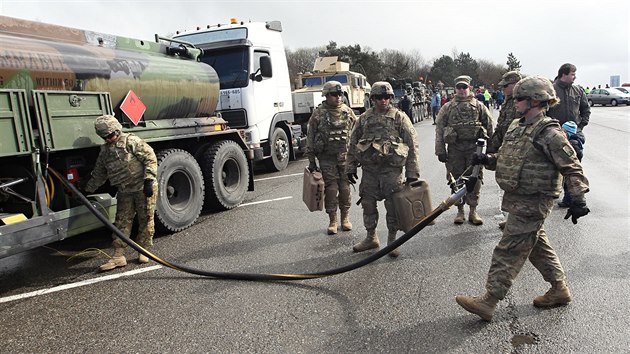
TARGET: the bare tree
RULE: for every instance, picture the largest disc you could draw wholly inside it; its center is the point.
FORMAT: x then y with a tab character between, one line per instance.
489	73
301	60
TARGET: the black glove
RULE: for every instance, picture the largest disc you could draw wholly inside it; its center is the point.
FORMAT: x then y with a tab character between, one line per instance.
442	157
410	180
576	210
479	158
312	166
352	178
148	188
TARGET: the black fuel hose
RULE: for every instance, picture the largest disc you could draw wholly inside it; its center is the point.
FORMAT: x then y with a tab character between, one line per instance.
265	277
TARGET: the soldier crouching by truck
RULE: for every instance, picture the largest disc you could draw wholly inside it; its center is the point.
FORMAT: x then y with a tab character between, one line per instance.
327	140
131	166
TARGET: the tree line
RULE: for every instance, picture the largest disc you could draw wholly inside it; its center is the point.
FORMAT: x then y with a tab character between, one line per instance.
397	64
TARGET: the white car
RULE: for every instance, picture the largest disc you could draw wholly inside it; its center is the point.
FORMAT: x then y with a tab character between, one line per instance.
607	96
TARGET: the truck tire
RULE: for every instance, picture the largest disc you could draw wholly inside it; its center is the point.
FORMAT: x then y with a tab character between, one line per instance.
226	175
180	190
366	102
279	148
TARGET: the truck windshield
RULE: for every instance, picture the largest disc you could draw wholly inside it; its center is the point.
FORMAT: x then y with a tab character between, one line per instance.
232	66
341	78
312	81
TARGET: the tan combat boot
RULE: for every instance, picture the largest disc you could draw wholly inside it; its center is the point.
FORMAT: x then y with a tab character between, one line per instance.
473	217
118	260
459	219
332	226
345	220
481	306
559	294
371	241
391	237
142	258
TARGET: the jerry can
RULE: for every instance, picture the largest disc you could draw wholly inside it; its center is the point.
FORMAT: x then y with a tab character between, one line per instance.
313	190
412	204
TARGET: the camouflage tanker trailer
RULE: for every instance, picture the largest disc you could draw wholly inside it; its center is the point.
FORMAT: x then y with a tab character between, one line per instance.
54	82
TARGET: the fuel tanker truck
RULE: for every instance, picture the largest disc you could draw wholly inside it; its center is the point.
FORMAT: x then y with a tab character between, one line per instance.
54	82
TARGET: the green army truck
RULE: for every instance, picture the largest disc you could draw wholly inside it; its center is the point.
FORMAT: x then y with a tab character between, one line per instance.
54	82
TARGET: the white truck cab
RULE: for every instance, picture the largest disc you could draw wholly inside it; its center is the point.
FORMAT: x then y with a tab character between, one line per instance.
255	91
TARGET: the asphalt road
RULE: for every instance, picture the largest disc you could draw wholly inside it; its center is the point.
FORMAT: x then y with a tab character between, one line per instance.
52	302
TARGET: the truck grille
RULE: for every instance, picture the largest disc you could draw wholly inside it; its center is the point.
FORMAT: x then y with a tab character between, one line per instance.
235	118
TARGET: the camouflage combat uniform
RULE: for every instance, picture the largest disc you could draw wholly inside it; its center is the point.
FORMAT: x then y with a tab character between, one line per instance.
382	143
327	140
506	116
529	166
127	162
459	124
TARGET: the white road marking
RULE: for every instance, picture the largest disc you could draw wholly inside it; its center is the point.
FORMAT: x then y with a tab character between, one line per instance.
265	201
291	175
79	284
112	276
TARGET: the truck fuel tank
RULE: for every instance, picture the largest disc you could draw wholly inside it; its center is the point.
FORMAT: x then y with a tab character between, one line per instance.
40	56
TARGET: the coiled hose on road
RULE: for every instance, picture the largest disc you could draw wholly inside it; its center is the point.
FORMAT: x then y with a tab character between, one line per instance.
457	195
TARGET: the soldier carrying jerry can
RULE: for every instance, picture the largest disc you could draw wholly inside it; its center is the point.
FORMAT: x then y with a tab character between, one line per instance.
383	142
327	141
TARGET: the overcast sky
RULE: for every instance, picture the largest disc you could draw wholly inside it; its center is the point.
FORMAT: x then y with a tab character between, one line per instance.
594	35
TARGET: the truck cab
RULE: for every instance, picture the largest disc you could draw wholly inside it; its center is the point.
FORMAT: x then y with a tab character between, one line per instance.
255	92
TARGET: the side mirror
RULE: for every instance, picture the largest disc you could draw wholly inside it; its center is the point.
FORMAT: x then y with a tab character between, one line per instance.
265	67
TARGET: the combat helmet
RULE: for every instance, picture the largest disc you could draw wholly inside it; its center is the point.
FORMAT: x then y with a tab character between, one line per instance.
537	88
107	124
510	77
381	88
332	87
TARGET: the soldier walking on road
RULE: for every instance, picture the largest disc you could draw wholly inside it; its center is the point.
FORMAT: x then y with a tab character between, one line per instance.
534	155
131	166
327	140
459	124
506	115
383	141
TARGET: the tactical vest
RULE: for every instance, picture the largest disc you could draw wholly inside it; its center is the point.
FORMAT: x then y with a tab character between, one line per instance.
334	134
523	168
463	122
123	167
381	142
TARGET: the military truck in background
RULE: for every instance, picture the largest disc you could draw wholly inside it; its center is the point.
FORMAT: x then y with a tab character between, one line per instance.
308	93
255	89
54	82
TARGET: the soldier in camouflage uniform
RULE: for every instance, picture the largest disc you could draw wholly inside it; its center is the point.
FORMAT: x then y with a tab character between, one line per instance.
131	166
383	141
459	124
327	140
506	115
533	159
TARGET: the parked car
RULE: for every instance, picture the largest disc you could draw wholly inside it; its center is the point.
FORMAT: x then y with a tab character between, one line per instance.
623	89
607	96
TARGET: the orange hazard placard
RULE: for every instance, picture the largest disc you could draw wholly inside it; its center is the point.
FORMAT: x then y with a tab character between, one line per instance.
133	107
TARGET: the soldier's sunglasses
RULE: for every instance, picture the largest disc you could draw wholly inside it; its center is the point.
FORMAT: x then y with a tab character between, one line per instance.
506	85
461	86
109	136
335	94
381	97
521	98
